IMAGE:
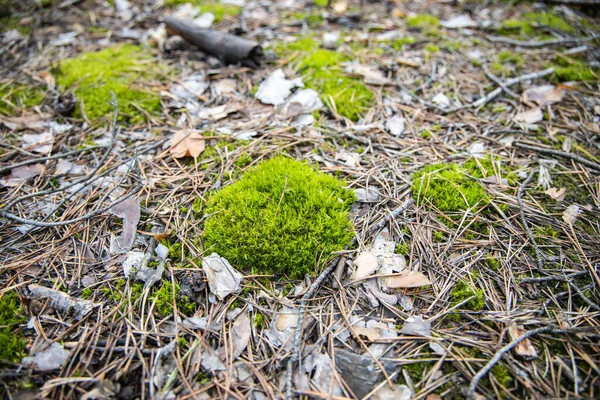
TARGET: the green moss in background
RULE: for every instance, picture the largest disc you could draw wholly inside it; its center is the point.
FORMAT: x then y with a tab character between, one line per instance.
279	218
120	69
567	69
447	187
12	343
529	24
423	21
219	10
15	97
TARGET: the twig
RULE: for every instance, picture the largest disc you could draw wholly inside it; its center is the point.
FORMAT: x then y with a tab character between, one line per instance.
553	278
89	215
499	82
520	192
295	358
542	43
483	372
54	157
493	94
574	157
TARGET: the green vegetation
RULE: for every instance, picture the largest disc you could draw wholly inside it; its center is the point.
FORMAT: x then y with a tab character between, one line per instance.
279	218
219	10
400	43
14	97
12	343
462	290
322	71
118	69
531	22
447	187
432	48
424	22
163	298
402	248
568	69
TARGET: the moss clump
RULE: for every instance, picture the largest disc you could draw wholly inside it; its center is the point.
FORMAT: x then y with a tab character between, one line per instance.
399	44
279	218
163	299
448	187
462	291
568	69
12	343
15	97
114	69
219	10
347	96
531	22
322	71
424	22
432	48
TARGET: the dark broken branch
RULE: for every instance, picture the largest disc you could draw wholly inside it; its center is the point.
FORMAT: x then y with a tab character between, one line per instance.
229	48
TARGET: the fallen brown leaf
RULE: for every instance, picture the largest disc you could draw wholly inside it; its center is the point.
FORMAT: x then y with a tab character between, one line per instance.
525	348
410	279
543	95
187	143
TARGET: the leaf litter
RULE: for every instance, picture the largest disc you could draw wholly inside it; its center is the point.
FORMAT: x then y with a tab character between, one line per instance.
426	298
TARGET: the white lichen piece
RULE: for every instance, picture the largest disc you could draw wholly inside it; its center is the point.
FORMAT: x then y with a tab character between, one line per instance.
223	279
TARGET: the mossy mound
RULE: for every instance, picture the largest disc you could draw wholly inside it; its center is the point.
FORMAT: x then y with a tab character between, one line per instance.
568	69
530	24
449	187
219	10
279	218
12	344
119	69
322	71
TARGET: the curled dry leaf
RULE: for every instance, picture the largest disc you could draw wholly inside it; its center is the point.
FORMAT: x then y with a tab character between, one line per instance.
187	143
410	279
530	116
525	348
416	326
557	194
129	211
543	95
61	301
366	263
51	358
240	336
571	214
223	279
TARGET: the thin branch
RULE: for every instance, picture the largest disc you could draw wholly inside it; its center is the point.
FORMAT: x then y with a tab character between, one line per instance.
499	82
574	157
484	371
538	255
542	43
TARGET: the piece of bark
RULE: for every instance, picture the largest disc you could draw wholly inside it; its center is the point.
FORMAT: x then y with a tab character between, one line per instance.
229	48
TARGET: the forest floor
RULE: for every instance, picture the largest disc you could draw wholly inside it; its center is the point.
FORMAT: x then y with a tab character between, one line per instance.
468	131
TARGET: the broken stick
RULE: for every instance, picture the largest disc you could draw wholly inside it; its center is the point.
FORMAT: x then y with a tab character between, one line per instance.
229	48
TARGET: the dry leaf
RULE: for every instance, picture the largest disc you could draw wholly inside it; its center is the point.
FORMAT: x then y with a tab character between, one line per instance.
61	301
187	143
286	320
410	279
543	95
21	174
51	358
525	348
129	211
557	194
530	116
416	326
571	214
223	279
163	235
366	263
240	336
371	333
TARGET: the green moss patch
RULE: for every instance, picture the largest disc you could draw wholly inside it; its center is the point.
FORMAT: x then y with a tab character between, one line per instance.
322	71
219	10
423	21
121	69
462	291
12	343
569	69
279	218
15	97
163	298
448	187
530	23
